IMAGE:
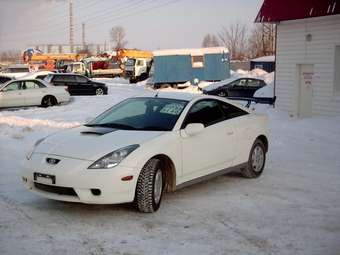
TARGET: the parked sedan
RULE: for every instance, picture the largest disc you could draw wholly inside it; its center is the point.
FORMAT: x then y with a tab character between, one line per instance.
77	84
146	145
241	87
31	92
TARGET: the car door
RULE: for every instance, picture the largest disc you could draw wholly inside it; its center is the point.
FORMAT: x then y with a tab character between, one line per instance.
33	92
72	85
213	148
11	95
237	88
84	86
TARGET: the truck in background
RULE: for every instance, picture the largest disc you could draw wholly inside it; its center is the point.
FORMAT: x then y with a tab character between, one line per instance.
95	67
137	69
135	63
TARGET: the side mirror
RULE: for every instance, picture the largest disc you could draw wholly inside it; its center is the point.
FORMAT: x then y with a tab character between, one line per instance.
194	129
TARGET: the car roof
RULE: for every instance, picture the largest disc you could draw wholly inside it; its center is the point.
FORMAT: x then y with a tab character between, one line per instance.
192	97
62	74
38	80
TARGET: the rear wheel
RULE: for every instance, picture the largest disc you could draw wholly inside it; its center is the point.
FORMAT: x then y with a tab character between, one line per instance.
99	91
150	186
48	101
256	161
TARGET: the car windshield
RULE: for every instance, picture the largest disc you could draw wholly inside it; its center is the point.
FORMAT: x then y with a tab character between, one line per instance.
151	113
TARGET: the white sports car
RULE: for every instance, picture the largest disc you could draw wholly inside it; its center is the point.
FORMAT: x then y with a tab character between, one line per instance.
146	145
30	92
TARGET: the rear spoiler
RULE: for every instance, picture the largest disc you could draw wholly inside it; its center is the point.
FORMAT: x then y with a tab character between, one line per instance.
257	100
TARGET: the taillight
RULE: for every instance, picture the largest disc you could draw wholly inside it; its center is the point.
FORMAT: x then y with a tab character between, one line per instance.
66	88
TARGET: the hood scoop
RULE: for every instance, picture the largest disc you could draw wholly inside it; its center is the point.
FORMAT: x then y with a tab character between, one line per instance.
97	131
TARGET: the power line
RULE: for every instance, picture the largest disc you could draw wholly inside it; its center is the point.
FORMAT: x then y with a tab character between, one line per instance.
137	12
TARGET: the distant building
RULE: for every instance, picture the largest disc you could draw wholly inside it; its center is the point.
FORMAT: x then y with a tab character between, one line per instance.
182	65
307	56
266	63
66	48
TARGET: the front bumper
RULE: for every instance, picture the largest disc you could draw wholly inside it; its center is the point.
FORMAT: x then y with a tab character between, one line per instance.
75	183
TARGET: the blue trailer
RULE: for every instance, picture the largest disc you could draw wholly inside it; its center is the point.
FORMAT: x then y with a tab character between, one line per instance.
266	63
182	65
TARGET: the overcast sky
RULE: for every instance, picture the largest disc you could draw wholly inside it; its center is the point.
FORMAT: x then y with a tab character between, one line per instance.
149	24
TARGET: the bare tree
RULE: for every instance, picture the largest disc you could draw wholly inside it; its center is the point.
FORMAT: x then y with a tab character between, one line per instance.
234	38
261	40
210	40
118	35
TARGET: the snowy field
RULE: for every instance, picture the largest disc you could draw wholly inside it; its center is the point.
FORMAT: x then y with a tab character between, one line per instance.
293	208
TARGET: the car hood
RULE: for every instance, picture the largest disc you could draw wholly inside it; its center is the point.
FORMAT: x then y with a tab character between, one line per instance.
92	143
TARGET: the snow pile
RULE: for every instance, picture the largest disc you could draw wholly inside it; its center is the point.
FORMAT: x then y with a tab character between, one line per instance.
24	122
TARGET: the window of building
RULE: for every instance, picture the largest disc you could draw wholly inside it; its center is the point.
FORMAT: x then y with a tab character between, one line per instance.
197	61
337	71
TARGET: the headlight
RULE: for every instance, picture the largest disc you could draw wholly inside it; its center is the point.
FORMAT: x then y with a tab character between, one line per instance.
114	158
30	153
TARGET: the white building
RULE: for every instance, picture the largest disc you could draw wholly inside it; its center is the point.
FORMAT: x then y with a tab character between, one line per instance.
307	78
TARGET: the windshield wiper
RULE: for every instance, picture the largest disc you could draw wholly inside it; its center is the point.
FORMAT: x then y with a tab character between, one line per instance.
112	125
153	128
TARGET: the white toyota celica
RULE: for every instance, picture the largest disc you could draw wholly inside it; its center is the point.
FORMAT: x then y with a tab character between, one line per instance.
146	145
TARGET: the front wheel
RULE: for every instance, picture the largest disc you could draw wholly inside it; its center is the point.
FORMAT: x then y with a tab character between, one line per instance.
256	161
150	186
99	91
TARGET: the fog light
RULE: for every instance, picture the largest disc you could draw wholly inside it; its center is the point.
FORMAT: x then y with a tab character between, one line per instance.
96	192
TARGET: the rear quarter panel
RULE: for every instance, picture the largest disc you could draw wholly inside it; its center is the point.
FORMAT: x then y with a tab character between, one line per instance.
248	128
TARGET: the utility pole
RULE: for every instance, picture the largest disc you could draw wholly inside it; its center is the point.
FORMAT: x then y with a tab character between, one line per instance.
71	25
83	35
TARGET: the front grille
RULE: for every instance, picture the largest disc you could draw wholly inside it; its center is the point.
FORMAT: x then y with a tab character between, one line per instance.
55	189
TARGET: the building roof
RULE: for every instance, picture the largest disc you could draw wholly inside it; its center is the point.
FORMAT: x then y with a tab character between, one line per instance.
264	59
192	52
281	10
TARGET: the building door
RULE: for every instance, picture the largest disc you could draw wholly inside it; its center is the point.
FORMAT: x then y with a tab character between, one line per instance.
305	98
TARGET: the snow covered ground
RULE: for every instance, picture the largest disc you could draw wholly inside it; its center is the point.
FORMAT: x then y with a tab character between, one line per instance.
293	208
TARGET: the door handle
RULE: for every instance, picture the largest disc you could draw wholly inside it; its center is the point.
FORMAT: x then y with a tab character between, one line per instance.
230	132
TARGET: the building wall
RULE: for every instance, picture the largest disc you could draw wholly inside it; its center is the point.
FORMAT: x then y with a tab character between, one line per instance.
294	48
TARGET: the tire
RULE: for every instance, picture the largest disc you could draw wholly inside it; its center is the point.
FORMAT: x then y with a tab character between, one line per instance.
99	92
48	101
150	186
256	161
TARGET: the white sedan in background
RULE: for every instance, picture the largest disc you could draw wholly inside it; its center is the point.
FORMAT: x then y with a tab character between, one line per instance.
146	145
30	92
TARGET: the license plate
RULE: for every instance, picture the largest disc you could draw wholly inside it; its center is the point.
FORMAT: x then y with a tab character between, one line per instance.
44	178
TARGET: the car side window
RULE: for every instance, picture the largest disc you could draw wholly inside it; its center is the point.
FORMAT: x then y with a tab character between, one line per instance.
69	78
58	78
81	79
13	86
39	84
207	112
253	83
41	77
29	85
231	111
239	82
